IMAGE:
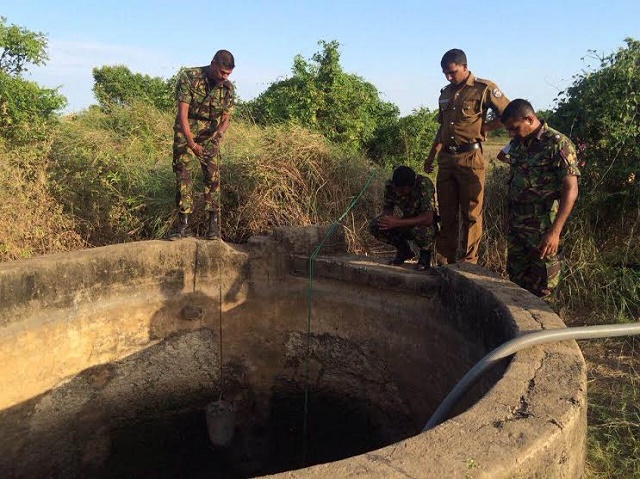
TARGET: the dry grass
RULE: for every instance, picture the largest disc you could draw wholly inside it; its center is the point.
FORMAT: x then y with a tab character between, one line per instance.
613	376
33	223
104	179
286	176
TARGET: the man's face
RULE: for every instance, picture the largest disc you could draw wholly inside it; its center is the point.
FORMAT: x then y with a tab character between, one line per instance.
520	127
218	72
455	74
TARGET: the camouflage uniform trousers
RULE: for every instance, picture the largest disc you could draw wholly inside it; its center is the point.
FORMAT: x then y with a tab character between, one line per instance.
183	161
423	236
526	269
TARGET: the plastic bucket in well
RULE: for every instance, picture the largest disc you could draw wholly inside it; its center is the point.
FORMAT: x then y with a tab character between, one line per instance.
220	422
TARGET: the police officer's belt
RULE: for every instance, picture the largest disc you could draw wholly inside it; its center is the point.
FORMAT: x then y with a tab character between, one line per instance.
455	149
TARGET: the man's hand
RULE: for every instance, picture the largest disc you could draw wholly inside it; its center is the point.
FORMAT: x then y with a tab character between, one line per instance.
428	165
388	222
197	150
549	244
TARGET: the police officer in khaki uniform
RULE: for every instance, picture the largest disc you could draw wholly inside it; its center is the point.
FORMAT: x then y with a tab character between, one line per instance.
463	107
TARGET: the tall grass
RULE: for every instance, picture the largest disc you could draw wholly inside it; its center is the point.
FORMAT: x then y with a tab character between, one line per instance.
108	179
285	175
113	172
31	221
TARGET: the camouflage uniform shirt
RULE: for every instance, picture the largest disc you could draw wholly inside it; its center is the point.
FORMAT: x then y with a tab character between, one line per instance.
207	100
538	167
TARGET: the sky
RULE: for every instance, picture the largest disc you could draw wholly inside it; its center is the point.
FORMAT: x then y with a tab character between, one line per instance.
530	49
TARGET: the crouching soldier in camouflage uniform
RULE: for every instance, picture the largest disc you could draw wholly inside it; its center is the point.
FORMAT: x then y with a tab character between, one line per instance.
205	102
543	188
414	195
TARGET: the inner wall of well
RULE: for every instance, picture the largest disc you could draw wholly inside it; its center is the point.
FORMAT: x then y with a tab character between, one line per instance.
378	364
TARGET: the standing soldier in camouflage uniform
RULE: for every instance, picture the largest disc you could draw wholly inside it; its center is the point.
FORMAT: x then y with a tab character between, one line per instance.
463	107
414	195
543	188
205	102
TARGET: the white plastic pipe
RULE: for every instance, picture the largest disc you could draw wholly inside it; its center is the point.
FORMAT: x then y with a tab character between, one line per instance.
523	342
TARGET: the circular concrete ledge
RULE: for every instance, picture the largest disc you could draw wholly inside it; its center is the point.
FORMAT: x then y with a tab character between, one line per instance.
109	356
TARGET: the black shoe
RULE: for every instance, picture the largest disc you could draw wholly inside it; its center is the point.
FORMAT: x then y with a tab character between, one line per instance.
181	229
425	260
212	228
403	254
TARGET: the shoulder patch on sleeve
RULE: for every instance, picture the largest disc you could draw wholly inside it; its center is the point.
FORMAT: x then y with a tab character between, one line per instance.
496	92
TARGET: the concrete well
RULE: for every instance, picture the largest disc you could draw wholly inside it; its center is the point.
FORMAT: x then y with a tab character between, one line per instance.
110	356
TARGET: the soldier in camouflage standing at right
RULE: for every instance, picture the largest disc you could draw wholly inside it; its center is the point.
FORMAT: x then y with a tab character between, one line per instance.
205	102
543	188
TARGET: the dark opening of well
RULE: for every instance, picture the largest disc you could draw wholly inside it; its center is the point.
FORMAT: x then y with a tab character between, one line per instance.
177	445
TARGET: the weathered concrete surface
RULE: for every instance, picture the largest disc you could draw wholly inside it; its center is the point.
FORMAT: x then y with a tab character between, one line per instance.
98	343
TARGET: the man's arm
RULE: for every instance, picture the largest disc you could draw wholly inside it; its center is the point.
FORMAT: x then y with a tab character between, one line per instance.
551	239
497	102
490	126
503	155
183	121
390	222
435	149
223	125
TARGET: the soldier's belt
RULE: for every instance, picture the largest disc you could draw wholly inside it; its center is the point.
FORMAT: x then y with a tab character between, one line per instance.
455	149
199	118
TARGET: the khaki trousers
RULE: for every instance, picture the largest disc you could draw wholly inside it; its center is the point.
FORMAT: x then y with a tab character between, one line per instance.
460	189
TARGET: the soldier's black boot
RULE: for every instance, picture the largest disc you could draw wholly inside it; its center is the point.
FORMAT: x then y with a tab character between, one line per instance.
181	229
212	228
403	254
425	260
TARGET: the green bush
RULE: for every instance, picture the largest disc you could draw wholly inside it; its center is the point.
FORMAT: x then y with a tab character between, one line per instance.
321	97
601	113
116	86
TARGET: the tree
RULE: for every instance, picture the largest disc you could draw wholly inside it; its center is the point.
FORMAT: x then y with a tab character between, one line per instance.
118	86
321	96
601	113
20	47
406	140
25	108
